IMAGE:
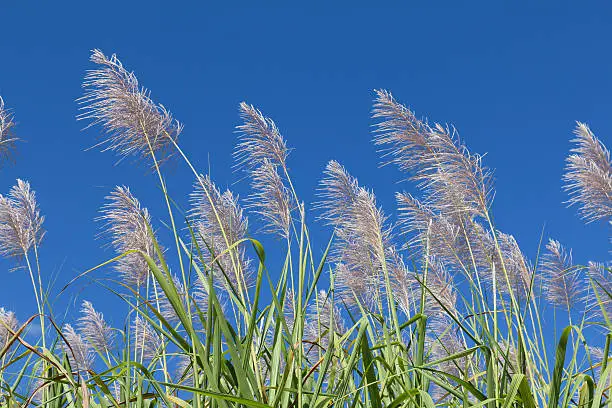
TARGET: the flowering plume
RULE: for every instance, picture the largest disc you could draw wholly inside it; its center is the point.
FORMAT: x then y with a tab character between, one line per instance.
338	189
599	300
437	288
362	239
261	150
146	342
218	223
446	345
260	139
560	280
437	234
6	130
20	221
454	179
271	199
134	124
128	226
94	328
499	257
77	349
588	177
8	325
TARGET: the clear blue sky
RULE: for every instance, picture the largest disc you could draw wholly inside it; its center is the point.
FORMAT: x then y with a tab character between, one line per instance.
512	78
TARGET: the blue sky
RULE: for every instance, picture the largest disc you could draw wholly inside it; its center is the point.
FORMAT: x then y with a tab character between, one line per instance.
513	79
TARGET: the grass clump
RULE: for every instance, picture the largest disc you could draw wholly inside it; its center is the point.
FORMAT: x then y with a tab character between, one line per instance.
437	309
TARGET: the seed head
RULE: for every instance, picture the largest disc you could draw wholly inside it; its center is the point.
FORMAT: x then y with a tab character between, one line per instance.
271	199
218	222
94	328
8	325
260	140
127	224
77	349
363	237
588	177
7	140
133	123
599	299
560	280
453	179
323	320
146	342
20	221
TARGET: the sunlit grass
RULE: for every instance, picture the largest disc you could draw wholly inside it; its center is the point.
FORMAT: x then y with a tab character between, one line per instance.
437	309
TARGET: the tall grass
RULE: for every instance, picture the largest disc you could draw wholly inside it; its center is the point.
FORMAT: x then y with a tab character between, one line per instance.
437	309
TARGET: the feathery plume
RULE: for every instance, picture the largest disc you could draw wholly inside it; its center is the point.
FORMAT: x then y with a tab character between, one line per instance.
599	298
271	199
8	325
20	221
7	124
560	280
127	224
446	345
361	251
588	177
145	340
134	124
338	191
219	223
506	259
362	235
438	234
77	349
454	179
437	287
260	140
94	328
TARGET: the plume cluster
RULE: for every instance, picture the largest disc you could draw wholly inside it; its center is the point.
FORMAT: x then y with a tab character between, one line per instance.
128	226
588	177
94	328
20	221
260	140
435	286
6	130
464	245
8	325
134	124
262	150
500	258
271	199
560	280
448	344
599	299
146	342
363	240
219	223
77	348
454	179
457	194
